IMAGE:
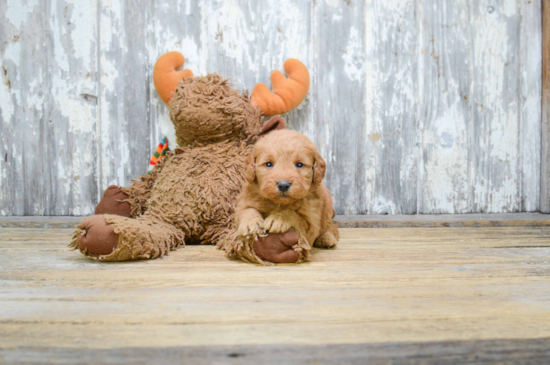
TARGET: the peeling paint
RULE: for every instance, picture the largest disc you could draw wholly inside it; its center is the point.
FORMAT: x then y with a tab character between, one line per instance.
7	107
228	29
84	23
417	106
354	57
18	10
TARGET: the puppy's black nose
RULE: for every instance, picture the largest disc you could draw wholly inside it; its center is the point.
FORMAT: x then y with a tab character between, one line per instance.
283	186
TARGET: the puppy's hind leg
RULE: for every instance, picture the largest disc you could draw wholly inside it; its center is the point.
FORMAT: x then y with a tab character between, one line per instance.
329	239
326	240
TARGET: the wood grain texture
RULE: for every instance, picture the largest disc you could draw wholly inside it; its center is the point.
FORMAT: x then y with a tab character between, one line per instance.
379	288
391	174
444	113
49	108
495	106
340	110
545	140
530	83
125	137
417	106
508	351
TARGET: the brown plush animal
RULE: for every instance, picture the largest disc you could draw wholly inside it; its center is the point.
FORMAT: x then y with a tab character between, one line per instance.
190	195
284	191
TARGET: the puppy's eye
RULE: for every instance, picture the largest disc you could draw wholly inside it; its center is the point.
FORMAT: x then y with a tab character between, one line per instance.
269	164
299	165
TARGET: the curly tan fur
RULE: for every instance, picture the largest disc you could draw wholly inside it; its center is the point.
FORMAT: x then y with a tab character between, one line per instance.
286	156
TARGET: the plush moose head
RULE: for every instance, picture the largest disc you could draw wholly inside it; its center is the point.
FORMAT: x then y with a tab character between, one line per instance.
208	110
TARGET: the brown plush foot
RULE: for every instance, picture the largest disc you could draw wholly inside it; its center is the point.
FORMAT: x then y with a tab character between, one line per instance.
98	238
112	203
277	247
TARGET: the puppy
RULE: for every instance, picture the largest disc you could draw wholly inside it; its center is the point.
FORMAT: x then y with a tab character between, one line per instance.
284	190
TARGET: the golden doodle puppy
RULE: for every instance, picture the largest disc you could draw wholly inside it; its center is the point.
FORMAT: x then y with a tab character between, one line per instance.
284	190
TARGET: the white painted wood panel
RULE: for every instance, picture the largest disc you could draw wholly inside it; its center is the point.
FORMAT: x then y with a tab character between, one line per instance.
339	100
530	84
391	72
494	133
418	106
444	112
48	102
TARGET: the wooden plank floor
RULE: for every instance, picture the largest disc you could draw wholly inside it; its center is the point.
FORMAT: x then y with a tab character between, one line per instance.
403	295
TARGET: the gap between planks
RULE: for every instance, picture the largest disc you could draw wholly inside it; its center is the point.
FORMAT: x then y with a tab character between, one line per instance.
344	221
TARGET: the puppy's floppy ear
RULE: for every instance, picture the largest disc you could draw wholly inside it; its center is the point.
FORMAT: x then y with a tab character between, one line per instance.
277	122
319	167
250	168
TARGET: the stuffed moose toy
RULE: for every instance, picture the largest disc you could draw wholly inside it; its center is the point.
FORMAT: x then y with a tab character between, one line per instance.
190	195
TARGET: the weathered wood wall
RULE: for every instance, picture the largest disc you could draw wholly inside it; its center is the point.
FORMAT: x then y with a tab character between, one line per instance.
545	139
418	106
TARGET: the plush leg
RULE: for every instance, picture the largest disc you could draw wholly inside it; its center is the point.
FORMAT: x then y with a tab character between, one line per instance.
113	202
273	248
95	237
285	221
280	248
287	248
116	238
254	244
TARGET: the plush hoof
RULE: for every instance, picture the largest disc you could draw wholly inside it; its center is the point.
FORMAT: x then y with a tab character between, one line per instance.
277	247
97	237
112	203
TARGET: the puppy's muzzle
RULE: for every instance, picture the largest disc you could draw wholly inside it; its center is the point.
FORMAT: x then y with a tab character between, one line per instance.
283	186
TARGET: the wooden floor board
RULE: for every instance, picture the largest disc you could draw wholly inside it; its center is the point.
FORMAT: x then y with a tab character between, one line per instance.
440	288
440	352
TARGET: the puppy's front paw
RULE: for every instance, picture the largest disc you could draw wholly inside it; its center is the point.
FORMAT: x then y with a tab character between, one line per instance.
275	223
252	229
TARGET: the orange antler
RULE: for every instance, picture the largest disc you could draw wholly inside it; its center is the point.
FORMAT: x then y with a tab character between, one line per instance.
165	74
287	93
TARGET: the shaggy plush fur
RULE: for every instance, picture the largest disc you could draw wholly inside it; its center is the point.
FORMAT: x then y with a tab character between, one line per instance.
208	110
265	206
189	196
